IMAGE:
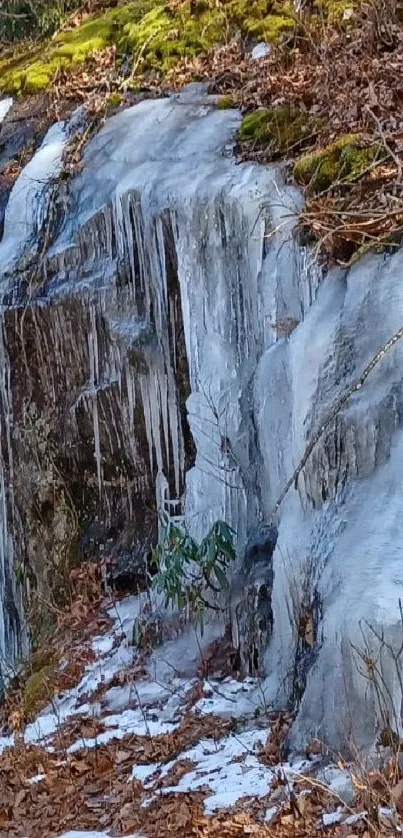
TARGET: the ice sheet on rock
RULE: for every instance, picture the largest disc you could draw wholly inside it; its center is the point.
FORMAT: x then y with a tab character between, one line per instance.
5	105
180	657
124	614
28	201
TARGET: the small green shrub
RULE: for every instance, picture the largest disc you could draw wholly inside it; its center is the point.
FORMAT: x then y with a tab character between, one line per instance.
187	571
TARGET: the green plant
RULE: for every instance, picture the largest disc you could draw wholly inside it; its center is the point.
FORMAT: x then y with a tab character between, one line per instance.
187	572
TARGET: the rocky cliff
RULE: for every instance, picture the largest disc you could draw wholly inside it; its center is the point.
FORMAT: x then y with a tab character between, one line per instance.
168	344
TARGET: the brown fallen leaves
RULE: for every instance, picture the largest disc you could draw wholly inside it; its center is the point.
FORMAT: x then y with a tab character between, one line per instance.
70	648
90	788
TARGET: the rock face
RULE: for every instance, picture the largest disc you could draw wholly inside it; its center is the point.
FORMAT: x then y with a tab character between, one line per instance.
168	346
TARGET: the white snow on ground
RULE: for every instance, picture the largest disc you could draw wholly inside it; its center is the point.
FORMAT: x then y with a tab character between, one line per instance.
69	705
111	660
229	767
129	721
230	698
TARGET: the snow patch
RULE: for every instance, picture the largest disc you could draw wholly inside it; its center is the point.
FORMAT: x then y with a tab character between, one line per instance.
37	779
230	698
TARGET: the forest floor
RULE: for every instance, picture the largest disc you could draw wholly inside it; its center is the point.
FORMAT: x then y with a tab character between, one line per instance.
111	739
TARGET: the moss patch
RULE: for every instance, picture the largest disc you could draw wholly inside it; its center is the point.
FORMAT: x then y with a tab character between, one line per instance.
157	35
68	49
42	658
162	37
114	100
344	160
278	130
38	690
336	10
225	103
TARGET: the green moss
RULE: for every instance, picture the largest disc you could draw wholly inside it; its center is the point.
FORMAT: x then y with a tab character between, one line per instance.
68	49
225	103
335	10
156	35
270	27
278	129
41	658
38	690
346	159
114	100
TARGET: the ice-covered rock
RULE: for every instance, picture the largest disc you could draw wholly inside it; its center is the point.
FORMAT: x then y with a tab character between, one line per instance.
175	356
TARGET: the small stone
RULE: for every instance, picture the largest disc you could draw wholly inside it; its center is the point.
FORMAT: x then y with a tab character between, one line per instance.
261	50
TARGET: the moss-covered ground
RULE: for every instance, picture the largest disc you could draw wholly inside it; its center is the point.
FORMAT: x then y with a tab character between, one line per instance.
278	130
343	161
155	34
325	99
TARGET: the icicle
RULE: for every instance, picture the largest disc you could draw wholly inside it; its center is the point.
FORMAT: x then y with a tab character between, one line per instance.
144	387
9	643
94	380
131	405
163	398
174	425
155	412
